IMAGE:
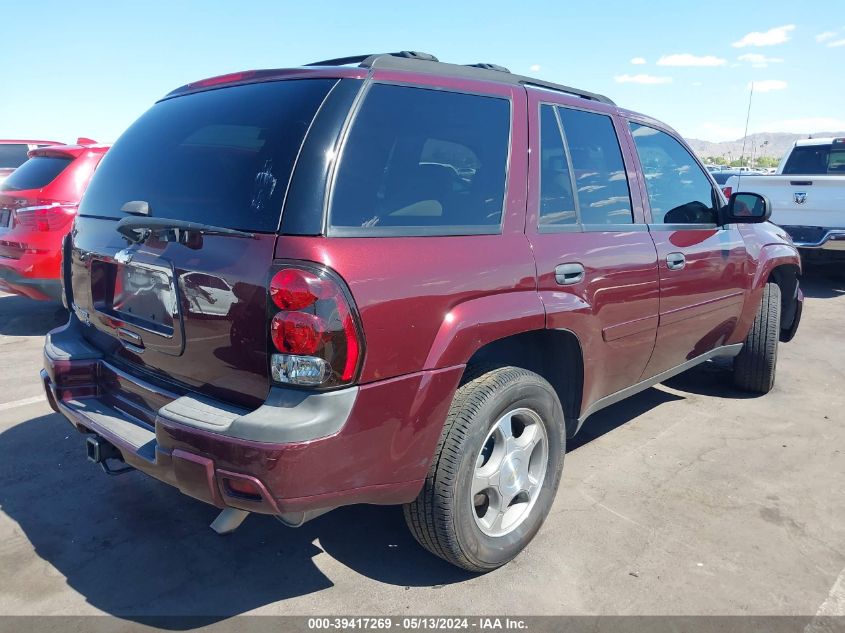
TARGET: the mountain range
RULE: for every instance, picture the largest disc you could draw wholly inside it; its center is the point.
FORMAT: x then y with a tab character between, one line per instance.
776	144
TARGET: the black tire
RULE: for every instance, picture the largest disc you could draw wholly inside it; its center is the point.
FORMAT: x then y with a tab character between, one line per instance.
754	366
442	518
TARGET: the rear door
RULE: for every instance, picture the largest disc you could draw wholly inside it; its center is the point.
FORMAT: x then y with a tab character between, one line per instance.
596	263
703	279
182	307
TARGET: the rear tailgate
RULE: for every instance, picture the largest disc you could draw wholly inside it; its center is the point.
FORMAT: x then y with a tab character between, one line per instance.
799	200
185	307
191	313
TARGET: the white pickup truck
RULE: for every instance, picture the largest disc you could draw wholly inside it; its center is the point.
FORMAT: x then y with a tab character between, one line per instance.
807	194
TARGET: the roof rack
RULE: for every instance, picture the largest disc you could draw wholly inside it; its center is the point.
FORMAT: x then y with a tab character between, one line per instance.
416	61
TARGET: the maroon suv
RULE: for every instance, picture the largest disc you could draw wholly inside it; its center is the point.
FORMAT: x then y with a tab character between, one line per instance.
391	280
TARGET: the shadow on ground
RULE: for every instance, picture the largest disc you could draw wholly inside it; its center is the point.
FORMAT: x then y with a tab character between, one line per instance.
136	548
823	282
21	316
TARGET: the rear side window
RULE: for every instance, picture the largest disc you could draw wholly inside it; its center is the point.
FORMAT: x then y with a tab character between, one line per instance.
557	203
600	180
36	173
222	157
12	155
815	160
422	162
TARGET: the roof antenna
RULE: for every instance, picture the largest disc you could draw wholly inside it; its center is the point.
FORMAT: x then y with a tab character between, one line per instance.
745	137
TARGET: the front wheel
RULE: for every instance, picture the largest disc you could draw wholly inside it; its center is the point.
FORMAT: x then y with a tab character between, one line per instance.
495	471
754	366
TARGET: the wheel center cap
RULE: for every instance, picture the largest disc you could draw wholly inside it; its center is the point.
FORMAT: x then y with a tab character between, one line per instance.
510	480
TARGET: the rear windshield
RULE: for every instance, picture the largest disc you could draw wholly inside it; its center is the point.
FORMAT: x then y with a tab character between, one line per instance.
12	155
36	173
815	160
221	157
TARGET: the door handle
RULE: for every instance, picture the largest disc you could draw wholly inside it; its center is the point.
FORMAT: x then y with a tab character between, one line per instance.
675	261
569	274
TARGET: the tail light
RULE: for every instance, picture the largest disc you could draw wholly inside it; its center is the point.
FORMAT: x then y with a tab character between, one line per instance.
45	218
727	191
314	328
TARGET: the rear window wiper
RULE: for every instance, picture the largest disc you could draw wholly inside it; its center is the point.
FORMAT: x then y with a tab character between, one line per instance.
137	229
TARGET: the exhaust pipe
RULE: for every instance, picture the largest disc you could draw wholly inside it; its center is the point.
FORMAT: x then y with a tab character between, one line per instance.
229	520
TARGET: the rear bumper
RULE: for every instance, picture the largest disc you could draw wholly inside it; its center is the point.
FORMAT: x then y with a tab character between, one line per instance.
12	280
817	237
379	452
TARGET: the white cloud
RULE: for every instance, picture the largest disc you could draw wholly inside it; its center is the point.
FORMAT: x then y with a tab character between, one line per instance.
836	44
685	59
777	35
534	68
767	85
827	35
759	61
638	60
641	79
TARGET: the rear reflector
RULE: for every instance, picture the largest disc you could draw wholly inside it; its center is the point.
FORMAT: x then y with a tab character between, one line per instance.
727	191
243	487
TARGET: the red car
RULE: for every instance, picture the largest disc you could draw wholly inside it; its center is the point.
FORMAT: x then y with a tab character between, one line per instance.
38	203
13	154
399	282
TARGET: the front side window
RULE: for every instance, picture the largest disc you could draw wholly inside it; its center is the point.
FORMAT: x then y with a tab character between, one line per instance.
423	162
679	192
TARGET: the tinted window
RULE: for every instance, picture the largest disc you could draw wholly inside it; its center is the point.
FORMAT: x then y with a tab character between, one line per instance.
557	204
35	173
12	155
423	161
600	180
222	157
814	160
679	192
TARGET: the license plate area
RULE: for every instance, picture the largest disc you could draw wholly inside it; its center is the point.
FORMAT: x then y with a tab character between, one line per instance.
137	294
137	303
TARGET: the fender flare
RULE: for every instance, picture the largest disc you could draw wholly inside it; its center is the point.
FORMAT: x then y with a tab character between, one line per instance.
472	324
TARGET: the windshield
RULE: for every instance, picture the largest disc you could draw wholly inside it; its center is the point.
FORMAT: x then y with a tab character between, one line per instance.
221	157
36	173
816	160
12	155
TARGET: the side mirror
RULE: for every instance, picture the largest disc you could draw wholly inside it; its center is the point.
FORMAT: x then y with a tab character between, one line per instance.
747	208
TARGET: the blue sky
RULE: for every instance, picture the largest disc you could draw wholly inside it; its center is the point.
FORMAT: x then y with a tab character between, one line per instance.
98	65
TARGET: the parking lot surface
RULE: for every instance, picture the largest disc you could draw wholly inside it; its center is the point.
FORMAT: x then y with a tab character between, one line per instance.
690	498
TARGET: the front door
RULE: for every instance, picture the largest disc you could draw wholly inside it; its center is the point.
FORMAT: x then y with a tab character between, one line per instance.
702	265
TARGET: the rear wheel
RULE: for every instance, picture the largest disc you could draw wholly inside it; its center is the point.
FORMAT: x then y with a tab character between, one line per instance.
495	472
754	366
